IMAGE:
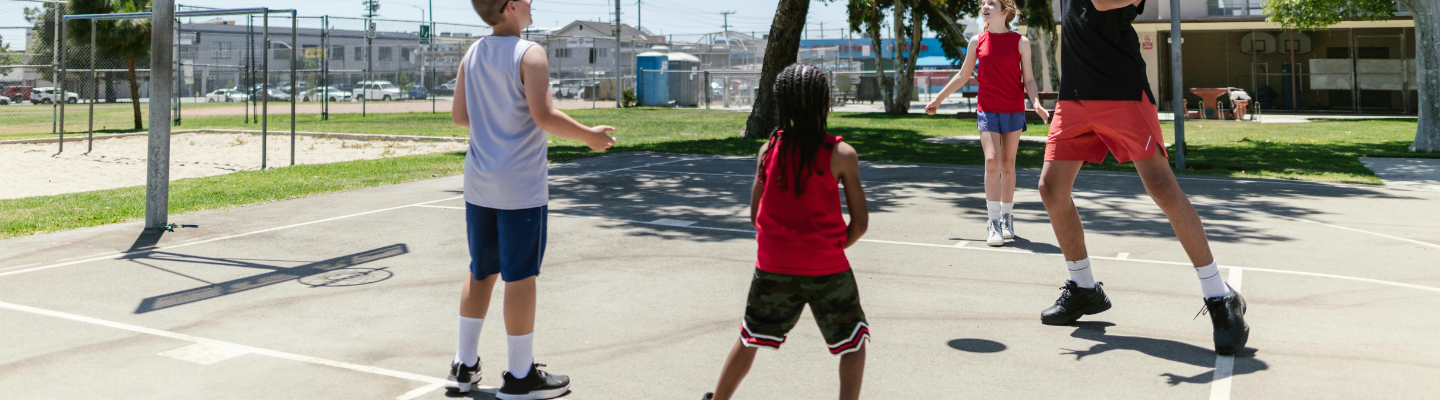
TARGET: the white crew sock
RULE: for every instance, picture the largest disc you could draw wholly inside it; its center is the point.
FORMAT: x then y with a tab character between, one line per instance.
469	341
1007	208
993	208
1080	273
521	354
1210	282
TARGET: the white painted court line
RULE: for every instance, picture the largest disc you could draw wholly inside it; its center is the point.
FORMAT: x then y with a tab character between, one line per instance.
1122	256
217	343
962	243
175	246
1224	373
1003	250
116	256
205	353
1428	244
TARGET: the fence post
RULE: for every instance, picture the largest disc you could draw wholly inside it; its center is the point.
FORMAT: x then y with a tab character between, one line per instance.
94	92
294	84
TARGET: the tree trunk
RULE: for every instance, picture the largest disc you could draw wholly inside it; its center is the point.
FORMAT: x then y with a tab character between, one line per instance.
134	93
781	50
896	86
1052	46
1037	54
1427	73
880	81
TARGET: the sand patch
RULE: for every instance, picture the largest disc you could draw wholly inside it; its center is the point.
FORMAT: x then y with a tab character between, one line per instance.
35	170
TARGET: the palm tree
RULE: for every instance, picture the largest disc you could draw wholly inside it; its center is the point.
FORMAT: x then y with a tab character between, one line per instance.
128	38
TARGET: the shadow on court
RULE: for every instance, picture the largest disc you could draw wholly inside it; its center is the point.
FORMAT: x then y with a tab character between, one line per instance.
338	271
1245	361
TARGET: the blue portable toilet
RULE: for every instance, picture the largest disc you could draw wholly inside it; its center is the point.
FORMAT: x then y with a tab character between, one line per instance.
653	85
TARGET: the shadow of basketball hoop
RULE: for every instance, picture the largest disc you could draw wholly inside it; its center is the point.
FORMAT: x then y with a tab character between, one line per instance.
347	277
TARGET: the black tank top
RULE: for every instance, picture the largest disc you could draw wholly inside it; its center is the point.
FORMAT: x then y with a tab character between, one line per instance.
1100	53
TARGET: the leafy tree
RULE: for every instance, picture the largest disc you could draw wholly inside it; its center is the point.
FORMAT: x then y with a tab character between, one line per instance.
1316	14
909	18
7	57
128	38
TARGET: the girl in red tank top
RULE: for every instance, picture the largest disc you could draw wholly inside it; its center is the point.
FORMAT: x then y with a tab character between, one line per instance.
795	206
1004	79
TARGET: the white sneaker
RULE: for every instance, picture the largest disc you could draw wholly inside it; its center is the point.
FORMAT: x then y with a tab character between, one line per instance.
994	239
1007	226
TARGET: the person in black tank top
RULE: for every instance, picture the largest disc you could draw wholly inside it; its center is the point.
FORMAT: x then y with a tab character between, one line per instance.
1106	107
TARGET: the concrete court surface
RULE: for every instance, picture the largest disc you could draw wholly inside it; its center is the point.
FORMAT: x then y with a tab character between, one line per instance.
353	295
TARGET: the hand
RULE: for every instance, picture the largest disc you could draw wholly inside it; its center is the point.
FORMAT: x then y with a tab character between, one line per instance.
603	141
1044	115
931	108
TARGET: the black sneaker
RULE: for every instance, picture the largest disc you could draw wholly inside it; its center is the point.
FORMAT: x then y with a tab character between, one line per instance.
463	378
708	396
1074	302
535	386
1227	315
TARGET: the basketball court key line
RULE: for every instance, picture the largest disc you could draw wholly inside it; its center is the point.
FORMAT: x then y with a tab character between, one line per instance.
1220	380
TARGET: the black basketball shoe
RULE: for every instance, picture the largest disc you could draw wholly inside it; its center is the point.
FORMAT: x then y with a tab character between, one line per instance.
463	378
537	385
1074	302
1227	315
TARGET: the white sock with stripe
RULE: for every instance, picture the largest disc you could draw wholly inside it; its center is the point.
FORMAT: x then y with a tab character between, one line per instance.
1211	284
1080	273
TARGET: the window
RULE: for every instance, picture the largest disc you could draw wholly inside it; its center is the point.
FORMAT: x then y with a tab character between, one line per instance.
385	53
1236	8
562	53
602	53
309	51
281	53
337	53
359	53
222	50
404	53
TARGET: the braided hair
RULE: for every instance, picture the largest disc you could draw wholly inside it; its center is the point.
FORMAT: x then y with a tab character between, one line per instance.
803	94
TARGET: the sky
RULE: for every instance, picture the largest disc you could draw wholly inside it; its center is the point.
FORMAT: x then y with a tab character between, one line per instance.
685	19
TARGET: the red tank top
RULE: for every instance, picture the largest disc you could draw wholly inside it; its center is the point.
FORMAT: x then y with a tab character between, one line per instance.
1002	90
802	235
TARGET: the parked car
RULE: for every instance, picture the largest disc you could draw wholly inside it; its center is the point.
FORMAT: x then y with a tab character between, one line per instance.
226	96
273	95
376	90
47	95
286	87
418	92
445	89
17	94
330	92
4	101
565	89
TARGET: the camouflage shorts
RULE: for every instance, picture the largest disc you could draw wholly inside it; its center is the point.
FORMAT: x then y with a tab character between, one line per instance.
776	301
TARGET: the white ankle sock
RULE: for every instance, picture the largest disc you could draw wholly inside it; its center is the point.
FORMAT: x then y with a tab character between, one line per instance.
993	208
1210	282
1007	208
469	340
1080	273
521	354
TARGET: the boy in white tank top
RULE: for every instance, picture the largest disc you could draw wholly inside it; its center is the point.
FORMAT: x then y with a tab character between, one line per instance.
502	94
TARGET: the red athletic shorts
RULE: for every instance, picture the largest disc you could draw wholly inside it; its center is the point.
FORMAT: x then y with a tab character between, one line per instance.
1084	130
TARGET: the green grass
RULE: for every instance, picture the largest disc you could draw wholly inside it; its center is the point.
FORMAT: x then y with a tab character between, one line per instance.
1325	151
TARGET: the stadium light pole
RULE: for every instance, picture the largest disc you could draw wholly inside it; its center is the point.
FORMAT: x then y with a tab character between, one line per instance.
157	176
1177	84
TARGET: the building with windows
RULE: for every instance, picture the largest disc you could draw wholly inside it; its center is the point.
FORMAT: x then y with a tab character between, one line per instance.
1353	67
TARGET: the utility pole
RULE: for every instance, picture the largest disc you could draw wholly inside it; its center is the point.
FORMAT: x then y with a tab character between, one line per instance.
619	91
157	168
725	31
638	25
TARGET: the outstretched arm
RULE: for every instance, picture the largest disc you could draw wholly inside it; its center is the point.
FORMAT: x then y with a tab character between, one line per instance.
846	163
966	69
1032	90
535	75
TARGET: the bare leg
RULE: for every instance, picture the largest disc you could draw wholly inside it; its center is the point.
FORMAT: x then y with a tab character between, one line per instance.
475	296
736	366
1010	144
1057	178
1160	183
520	306
852	371
990	143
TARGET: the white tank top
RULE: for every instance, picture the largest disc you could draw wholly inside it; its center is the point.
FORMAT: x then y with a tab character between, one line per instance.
505	167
